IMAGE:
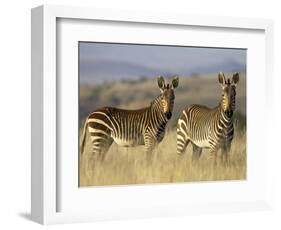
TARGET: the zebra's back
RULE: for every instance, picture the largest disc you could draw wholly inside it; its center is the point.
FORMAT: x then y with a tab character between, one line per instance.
125	127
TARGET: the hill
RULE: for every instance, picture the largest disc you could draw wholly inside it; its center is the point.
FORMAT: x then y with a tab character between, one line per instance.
135	94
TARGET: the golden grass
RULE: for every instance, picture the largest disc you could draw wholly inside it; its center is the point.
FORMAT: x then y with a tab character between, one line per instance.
124	166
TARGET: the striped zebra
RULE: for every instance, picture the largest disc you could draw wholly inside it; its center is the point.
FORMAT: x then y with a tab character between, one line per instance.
209	128
129	128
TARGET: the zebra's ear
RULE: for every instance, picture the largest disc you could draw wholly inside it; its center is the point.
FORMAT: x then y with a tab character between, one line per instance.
161	82
221	78
175	82
235	78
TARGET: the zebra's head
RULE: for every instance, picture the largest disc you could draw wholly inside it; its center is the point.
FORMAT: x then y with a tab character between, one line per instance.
167	95
228	92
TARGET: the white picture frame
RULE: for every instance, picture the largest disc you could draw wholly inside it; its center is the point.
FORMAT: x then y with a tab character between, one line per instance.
46	180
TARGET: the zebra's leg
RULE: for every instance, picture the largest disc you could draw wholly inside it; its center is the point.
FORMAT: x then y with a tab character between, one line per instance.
213	153
100	146
225	154
197	151
149	153
92	159
181	143
105	149
149	144
182	138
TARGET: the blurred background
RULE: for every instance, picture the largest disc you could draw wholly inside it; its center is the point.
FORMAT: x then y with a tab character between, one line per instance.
125	76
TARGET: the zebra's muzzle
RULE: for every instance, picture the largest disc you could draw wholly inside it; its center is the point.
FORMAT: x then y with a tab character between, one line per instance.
168	115
229	113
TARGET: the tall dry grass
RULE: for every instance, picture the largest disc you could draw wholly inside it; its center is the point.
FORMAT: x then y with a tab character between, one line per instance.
124	166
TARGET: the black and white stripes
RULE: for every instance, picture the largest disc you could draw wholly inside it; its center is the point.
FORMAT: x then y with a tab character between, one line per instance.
131	127
204	127
209	128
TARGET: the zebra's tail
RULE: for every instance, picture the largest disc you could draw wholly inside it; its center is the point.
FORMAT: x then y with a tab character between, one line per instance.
82	145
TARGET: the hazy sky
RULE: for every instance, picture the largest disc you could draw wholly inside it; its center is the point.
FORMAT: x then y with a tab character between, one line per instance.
107	61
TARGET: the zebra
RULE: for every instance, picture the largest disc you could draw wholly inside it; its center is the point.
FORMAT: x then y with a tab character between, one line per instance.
209	128
128	128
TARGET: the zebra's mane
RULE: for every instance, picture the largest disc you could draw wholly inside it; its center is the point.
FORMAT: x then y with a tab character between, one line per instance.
156	101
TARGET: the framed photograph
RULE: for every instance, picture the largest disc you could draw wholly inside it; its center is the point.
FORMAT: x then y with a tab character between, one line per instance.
138	114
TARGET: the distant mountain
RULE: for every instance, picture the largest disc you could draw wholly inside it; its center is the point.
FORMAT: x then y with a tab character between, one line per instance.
226	66
93	72
112	70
